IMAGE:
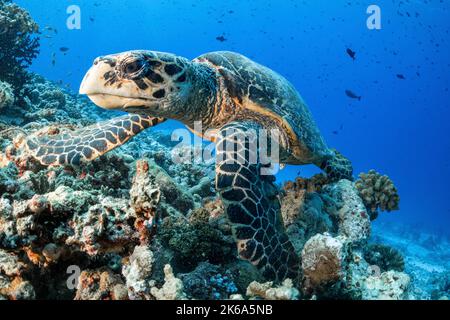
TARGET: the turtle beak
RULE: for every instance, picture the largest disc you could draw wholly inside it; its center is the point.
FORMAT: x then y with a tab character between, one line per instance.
94	80
105	90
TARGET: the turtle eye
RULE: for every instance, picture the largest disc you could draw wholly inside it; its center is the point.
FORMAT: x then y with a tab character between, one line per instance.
132	67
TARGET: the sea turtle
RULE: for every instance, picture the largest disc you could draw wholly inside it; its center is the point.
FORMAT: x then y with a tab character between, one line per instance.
223	90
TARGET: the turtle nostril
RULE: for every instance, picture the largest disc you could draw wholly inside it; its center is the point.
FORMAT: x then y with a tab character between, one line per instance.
97	60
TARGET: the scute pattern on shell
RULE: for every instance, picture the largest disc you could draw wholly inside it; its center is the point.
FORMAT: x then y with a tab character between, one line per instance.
246	79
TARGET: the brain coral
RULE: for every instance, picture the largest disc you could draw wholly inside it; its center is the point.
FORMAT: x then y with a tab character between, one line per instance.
378	192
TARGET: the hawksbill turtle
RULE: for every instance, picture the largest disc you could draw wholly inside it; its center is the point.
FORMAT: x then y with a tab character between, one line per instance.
223	90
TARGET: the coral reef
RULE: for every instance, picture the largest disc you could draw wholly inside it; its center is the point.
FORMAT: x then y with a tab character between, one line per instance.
138	225
19	43
377	192
152	229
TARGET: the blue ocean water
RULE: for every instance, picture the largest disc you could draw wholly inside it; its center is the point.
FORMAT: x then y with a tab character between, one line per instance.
400	126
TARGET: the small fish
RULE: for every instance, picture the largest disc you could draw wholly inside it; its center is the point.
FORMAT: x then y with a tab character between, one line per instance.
63	49
48	28
335	132
221	38
352	95
400	76
91	19
351	53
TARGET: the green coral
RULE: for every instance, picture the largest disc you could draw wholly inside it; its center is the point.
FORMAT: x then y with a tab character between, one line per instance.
378	192
19	43
385	257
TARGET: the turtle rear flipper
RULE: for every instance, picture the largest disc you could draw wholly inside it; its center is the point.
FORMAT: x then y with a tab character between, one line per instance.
87	144
337	167
251	202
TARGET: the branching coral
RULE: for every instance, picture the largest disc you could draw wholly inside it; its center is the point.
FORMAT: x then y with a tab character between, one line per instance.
385	257
378	192
19	44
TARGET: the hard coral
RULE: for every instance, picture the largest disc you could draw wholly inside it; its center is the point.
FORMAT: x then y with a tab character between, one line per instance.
19	44
378	192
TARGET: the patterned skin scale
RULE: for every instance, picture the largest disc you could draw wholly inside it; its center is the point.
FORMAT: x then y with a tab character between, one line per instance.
223	90
88	143
252	204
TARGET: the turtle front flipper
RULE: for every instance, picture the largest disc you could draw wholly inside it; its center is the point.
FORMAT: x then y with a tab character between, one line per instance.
337	166
87	144
251	202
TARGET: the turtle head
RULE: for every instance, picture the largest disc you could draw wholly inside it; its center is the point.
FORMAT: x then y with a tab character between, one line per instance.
145	82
